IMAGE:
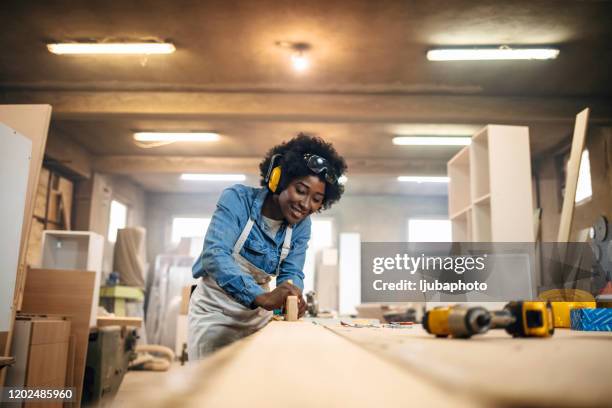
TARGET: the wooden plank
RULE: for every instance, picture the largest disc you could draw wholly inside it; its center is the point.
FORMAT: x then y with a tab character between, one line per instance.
32	121
502	370
104	321
68	293
571	176
295	364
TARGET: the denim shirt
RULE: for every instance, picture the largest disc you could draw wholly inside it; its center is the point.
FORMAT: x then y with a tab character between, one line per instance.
262	249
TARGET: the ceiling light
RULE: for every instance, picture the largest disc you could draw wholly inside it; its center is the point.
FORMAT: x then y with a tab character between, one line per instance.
500	53
423	179
176	137
212	177
431	141
111	48
298	50
300	62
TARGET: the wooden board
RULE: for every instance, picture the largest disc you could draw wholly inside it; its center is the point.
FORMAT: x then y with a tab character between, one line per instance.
119	321
294	364
570	369
68	293
32	121
571	176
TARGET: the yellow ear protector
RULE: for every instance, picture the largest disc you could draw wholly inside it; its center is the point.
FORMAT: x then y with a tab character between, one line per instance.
274	173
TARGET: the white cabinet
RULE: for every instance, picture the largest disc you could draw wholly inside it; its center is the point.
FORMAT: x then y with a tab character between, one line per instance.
75	250
490	194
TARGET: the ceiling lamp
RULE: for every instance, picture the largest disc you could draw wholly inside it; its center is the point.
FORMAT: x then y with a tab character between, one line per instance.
141	48
432	140
423	179
212	177
298	50
503	52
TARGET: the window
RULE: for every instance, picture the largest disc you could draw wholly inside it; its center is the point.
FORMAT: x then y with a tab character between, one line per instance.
429	230
320	237
193	228
584	188
117	219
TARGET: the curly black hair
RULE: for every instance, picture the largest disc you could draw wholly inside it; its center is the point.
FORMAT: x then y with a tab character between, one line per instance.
293	165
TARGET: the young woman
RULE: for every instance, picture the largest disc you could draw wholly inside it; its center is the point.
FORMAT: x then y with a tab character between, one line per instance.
257	234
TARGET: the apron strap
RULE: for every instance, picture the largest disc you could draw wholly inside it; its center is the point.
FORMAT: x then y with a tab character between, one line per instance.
243	236
286	248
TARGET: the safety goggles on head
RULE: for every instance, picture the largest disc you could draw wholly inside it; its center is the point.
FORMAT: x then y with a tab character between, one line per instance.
318	165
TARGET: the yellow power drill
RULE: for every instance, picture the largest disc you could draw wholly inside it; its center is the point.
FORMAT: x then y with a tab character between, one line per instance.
519	319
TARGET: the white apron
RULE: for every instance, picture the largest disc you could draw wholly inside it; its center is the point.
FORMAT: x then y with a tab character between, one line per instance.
215	318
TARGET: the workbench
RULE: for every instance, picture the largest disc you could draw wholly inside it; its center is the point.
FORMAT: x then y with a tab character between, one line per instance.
301	364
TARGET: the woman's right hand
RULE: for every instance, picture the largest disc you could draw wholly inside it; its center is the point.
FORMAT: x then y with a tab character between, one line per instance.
276	298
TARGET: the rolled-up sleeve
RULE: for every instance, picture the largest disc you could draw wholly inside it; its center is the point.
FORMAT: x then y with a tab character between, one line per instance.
217	260
292	267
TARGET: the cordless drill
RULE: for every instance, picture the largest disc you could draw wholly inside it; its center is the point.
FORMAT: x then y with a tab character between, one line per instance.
519	319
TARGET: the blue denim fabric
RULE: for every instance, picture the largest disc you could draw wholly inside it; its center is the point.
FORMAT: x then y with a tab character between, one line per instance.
262	249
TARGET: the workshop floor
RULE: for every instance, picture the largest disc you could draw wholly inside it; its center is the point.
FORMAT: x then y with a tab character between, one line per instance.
135	382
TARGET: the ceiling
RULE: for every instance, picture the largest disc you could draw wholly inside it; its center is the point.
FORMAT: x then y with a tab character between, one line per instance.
369	79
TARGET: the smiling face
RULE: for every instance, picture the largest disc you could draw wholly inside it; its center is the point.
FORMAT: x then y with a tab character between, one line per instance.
302	197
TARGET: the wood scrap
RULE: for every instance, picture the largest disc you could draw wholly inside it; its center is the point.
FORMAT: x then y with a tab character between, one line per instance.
291	309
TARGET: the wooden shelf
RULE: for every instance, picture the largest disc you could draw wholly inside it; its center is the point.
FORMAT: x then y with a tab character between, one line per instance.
458	169
490	192
461	213
479	165
461	226
484	198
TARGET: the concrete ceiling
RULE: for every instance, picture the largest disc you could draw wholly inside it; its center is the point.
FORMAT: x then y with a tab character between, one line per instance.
369	79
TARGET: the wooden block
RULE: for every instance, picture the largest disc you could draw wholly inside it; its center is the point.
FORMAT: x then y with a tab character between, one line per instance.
119	321
291	309
69	293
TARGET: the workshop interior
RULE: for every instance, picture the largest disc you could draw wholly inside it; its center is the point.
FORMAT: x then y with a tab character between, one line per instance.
224	204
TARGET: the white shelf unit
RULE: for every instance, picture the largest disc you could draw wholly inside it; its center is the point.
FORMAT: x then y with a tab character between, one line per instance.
490	194
75	250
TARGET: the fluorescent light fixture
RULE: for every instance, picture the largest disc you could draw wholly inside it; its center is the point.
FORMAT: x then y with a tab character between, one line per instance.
423	179
111	48
431	141
176	137
212	177
501	53
342	179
